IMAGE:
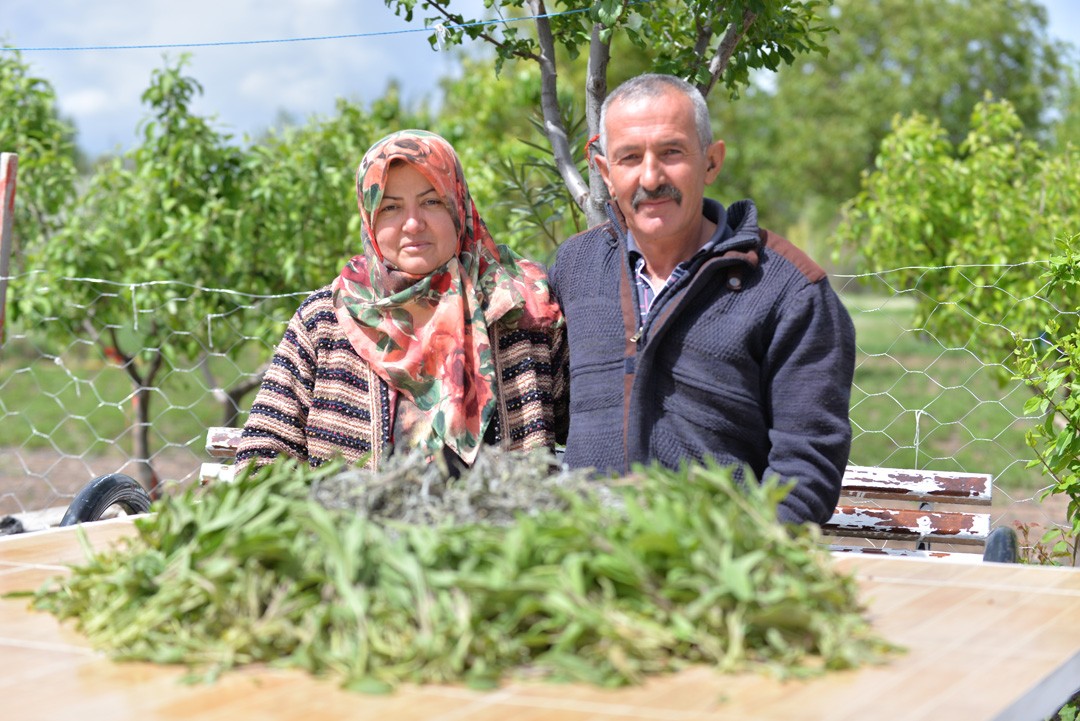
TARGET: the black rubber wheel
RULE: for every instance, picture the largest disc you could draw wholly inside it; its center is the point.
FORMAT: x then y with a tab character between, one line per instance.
1002	546
101	494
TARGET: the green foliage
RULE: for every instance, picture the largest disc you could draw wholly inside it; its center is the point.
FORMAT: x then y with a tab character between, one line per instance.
494	125
150	232
297	205
669	32
189	210
31	127
1071	710
1067	129
798	143
658	571
1050	364
182	236
1054	546
161	212
968	225
685	37
534	203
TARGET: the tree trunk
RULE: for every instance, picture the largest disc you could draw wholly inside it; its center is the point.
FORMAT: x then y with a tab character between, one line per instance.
144	470
549	105
595	93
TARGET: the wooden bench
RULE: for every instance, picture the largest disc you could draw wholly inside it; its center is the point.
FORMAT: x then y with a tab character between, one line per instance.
878	506
917	508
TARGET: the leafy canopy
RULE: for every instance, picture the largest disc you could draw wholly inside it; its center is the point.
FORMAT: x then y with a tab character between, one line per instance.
707	42
31	127
798	140
969	224
1051	367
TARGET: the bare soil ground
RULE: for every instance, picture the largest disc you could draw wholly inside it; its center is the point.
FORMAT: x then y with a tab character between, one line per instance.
36	479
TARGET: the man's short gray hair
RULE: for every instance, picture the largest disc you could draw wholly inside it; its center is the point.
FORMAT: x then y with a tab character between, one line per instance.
651	85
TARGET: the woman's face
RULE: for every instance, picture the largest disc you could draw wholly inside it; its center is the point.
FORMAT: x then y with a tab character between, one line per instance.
413	227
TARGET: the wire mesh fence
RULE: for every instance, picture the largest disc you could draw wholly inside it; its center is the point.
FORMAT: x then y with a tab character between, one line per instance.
130	382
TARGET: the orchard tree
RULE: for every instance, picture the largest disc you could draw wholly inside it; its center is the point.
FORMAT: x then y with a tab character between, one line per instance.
970	226
205	248
496	127
1050	365
709	43
154	225
799	143
31	127
1067	127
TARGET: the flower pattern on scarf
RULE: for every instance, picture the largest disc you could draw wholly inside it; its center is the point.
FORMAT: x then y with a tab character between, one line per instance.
427	336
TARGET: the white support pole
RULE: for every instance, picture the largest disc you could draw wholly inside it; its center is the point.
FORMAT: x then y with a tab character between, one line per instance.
9	165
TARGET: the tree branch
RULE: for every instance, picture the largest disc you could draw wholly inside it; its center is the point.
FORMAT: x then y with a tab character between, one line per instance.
231	409
124	360
549	103
726	49
215	390
459	20
595	93
704	37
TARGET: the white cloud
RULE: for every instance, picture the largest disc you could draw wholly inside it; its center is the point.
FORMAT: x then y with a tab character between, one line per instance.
87	102
245	85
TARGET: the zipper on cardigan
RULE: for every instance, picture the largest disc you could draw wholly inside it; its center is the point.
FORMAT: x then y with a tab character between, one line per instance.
637	336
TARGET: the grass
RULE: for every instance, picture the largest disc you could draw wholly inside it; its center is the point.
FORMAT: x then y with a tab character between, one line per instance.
81	403
918	403
915	404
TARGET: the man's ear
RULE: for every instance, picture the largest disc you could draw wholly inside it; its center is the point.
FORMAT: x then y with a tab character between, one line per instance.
602	166
714	160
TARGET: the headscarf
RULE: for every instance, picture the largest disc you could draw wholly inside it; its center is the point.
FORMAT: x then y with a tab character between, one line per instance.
427	336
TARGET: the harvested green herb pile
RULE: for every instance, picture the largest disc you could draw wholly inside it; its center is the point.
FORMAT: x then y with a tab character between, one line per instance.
404	576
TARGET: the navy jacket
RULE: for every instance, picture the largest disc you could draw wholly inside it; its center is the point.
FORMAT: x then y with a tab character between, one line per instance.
748	359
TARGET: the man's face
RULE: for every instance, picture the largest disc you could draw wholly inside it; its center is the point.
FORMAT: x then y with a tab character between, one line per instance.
655	169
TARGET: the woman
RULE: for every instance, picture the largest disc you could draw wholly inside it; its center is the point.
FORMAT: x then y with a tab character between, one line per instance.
434	337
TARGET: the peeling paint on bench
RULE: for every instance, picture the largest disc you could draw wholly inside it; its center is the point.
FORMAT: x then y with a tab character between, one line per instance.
222	442
912	485
909	524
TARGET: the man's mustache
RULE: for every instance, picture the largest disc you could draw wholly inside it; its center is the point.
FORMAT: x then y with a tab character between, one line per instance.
663	192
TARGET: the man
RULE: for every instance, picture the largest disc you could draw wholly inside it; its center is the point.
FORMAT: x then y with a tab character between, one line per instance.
694	333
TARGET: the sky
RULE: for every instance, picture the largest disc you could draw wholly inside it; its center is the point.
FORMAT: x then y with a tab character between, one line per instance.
246	86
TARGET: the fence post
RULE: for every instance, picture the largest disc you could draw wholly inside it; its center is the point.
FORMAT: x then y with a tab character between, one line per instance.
9	164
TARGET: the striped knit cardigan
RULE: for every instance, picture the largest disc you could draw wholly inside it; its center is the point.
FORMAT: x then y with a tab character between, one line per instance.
319	400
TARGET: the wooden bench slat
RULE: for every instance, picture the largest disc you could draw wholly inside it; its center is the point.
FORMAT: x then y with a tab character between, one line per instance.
219	472
222	442
909	552
914	485
909	524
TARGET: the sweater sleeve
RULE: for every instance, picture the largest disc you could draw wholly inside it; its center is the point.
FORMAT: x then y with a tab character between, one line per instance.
810	366
278	418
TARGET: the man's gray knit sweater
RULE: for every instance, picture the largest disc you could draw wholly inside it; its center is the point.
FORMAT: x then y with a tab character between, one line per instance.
747	359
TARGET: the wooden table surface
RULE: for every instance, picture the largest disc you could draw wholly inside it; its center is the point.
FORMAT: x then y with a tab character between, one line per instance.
985	641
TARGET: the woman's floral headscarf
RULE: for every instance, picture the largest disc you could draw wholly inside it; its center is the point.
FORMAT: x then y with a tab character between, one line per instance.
427	336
